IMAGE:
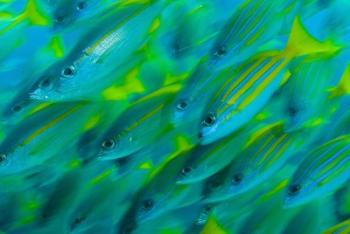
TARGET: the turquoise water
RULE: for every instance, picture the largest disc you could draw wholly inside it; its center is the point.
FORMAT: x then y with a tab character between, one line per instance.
160	116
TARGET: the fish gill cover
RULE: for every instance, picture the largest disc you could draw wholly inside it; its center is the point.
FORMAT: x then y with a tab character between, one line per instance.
174	116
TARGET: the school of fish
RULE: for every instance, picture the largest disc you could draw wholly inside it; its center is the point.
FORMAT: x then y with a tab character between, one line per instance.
174	116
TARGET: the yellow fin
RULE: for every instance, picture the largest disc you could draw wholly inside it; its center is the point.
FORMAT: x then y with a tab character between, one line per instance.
34	14
343	87
132	85
212	227
300	42
146	165
56	45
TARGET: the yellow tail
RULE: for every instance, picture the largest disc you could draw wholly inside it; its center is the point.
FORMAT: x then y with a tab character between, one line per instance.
343	87
300	42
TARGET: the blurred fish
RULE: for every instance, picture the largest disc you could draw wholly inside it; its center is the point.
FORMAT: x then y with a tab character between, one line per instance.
138	126
321	173
157	197
209	159
241	98
39	137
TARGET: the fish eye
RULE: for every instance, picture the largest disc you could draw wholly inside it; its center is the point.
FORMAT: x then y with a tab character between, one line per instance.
16	108
59	19
186	170
46	83
294	189
220	51
81	5
147	204
209	120
292	110
181	105
237	178
108	144
3	158
68	72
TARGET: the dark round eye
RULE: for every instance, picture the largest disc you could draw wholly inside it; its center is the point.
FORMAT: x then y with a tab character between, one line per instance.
209	120
46	83
220	51
237	178
181	105
68	71
81	5
3	157
186	170
147	204
16	108
59	19
292	110
294	189
108	144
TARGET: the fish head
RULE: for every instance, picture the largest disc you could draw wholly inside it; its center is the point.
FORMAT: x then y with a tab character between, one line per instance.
208	128
13	161
186	109
118	146
186	174
58	83
299	192
214	126
16	109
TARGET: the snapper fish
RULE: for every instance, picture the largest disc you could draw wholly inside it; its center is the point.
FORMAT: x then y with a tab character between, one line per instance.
241	97
99	53
265	153
157	197
322	171
39	137
140	125
252	25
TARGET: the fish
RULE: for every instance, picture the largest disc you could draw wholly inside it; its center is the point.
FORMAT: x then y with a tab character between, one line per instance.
37	138
156	197
210	159
265	152
303	80
101	52
322	171
242	96
141	124
242	34
61	196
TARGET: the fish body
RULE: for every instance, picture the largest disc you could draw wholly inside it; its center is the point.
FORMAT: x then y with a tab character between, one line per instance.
322	171
38	138
137	127
240	98
266	152
92	59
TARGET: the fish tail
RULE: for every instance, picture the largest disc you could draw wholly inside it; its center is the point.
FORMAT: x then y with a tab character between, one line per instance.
301	42
34	14
212	226
343	87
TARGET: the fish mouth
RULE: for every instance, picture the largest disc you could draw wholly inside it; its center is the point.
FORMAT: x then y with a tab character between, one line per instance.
38	95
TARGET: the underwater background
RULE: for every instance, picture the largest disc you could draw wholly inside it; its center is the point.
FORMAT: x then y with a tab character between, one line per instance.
174	116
